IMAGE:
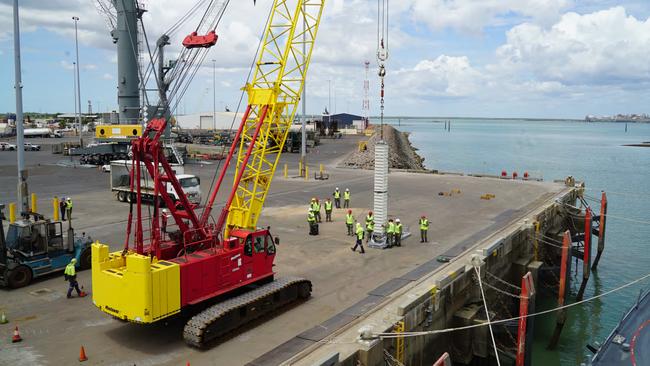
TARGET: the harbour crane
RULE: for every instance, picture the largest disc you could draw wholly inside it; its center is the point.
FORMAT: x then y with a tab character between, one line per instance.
228	261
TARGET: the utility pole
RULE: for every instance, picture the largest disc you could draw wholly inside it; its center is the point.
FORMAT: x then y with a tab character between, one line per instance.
23	192
76	43
214	94
329	103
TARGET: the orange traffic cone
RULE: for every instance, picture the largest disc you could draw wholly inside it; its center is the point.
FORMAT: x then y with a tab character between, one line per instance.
82	355
16	338
83	293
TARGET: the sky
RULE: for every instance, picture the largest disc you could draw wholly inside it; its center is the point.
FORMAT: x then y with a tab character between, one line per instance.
472	58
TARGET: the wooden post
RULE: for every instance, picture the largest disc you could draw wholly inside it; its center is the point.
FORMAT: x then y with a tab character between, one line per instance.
601	229
561	296
527	290
535	241
586	260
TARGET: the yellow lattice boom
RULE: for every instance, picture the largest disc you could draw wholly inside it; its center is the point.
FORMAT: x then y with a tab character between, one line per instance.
276	87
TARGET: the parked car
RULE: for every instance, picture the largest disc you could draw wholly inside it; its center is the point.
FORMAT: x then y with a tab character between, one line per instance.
7	146
32	147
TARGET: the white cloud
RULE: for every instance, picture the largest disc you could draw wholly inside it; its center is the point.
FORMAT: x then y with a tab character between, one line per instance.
66	65
445	76
473	15
604	47
107	76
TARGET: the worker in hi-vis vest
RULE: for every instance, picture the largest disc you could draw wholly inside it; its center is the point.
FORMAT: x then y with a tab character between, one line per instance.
70	275
328	210
359	237
424	228
346	198
337	198
370	225
349	222
398	233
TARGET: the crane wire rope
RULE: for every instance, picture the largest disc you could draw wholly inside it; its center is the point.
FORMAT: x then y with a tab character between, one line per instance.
501	321
382	54
203	53
241	98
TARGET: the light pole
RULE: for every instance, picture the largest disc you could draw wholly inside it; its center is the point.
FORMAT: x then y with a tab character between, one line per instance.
214	95
76	43
20	145
329	103
74	90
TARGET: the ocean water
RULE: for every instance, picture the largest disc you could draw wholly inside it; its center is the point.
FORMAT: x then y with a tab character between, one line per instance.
592	152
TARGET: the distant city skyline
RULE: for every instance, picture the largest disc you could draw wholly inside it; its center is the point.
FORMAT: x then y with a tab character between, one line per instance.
489	58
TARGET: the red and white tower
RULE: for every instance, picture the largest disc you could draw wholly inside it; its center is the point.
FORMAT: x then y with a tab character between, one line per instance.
366	96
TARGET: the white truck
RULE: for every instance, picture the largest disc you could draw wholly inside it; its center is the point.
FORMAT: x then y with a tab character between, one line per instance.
120	183
41	132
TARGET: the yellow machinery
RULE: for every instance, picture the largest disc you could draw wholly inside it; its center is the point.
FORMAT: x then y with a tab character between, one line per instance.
277	85
118	132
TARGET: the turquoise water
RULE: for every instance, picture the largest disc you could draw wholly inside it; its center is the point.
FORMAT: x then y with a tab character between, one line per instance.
553	150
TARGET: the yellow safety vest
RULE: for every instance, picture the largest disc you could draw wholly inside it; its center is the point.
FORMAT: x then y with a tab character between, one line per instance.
359	232
391	228
349	219
311	217
70	270
337	194
424	224
370	225
398	228
346	195
370	219
328	206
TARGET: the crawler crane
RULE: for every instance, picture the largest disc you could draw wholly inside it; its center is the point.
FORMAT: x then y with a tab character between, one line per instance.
196	262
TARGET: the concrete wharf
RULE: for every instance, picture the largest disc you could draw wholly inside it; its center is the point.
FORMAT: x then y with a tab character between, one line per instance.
380	288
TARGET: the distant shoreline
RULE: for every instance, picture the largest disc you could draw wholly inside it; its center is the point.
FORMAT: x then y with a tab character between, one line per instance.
641	144
441	119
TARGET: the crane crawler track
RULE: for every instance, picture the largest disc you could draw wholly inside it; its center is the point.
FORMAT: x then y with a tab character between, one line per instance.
226	316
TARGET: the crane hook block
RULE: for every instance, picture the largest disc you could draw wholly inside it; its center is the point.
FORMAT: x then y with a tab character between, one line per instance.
196	41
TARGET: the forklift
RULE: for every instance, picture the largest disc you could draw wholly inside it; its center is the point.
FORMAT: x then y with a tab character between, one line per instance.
36	247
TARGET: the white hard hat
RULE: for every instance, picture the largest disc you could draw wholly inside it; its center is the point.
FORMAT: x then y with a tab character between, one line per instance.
337	188
347	189
397	220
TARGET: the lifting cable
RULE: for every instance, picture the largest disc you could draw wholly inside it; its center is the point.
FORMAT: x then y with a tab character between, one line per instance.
241	98
382	53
